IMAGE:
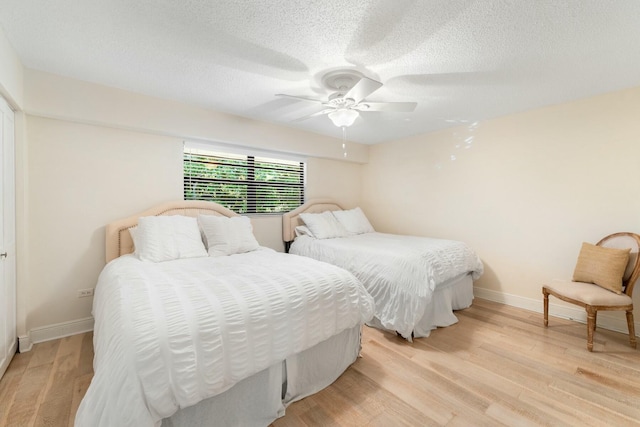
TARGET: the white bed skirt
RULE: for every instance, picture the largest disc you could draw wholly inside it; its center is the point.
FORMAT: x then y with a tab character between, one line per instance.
255	401
261	398
318	367
454	294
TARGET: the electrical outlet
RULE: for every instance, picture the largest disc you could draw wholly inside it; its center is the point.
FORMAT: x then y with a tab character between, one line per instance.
85	292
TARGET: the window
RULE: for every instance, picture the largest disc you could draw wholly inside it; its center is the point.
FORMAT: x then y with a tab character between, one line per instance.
243	183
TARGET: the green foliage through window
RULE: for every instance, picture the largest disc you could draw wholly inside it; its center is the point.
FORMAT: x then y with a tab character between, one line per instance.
244	184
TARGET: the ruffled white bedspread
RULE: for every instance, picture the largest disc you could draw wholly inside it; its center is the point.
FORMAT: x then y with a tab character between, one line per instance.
170	334
400	272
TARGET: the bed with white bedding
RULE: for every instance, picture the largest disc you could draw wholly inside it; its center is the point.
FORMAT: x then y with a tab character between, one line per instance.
228	339
417	282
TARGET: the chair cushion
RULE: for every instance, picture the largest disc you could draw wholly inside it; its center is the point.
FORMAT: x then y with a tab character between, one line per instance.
588	293
601	266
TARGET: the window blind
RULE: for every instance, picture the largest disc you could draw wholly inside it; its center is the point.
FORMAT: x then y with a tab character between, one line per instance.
243	183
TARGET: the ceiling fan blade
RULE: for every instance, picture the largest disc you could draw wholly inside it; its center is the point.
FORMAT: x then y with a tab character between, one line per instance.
382	35
301	98
411	83
399	107
319	113
362	89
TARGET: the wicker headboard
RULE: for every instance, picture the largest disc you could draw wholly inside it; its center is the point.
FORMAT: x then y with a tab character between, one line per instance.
118	240
291	220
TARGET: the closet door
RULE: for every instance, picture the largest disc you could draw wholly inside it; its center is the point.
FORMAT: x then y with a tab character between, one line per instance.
8	338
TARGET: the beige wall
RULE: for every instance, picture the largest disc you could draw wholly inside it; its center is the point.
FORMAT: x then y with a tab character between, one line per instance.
84	176
95	154
340	181
523	190
48	95
80	178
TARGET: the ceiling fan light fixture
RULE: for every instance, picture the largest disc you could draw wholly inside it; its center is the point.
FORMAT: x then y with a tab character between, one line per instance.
343	117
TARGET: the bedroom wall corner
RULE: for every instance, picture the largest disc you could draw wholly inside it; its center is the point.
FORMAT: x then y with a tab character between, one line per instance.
83	176
22	228
12	90
523	190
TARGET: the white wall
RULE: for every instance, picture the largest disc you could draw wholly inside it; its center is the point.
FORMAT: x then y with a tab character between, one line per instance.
11	73
524	190
12	89
83	175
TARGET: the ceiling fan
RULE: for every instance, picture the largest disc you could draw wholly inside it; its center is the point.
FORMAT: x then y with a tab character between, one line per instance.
347	102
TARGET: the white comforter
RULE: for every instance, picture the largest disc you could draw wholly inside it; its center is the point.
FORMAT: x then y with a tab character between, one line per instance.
400	272
170	334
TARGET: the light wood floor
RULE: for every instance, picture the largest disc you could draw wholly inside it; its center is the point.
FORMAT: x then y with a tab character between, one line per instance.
497	366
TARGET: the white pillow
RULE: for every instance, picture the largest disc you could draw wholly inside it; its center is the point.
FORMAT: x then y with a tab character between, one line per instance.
163	238
323	225
133	232
302	230
354	221
228	236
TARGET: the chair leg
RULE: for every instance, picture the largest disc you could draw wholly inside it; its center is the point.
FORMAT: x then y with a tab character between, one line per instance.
591	326
632	329
546	306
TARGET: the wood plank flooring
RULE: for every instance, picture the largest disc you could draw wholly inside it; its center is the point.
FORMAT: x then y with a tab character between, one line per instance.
43	387
497	366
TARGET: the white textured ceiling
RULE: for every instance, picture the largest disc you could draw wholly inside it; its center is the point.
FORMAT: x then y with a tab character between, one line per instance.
462	61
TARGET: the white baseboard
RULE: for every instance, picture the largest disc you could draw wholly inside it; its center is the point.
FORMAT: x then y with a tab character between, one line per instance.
575	313
24	343
65	329
53	332
5	364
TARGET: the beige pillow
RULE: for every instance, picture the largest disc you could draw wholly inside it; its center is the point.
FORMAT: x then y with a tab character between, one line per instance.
601	266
